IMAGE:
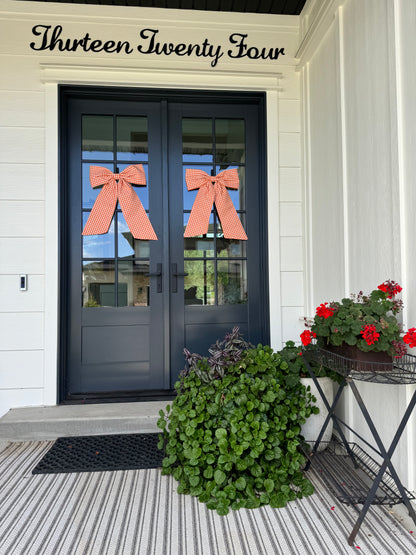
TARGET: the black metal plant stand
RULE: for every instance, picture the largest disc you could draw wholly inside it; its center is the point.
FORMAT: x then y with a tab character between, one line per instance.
384	477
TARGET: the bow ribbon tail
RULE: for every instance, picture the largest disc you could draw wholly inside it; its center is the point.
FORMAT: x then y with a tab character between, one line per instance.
102	212
134	213
230	222
201	211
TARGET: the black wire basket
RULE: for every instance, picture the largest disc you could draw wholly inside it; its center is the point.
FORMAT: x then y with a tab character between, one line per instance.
398	371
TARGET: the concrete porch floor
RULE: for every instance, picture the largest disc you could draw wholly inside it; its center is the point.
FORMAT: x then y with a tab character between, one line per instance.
139	512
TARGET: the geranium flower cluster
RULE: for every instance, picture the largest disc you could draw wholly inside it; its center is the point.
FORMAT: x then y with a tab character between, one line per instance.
369	332
306	337
390	287
410	338
324	310
367	321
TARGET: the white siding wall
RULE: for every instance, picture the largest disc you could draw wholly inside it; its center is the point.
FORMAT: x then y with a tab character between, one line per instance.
21	236
290	209
29	155
356	61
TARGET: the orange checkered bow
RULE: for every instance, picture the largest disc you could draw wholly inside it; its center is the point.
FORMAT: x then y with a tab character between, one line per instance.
117	186
213	190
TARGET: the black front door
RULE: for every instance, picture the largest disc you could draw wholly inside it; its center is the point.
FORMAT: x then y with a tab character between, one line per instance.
130	306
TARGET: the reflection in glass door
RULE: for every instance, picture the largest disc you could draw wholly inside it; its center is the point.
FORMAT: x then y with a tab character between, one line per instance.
115	266
216	267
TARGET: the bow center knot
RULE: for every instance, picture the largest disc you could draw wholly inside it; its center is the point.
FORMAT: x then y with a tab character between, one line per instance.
116	176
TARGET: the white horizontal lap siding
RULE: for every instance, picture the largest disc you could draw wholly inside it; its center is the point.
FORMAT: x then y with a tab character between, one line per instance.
22	230
290	210
22	181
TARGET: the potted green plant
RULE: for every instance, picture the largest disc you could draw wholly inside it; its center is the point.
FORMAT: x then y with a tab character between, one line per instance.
231	435
363	327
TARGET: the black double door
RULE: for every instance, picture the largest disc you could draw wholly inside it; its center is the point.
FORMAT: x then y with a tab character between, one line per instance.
130	306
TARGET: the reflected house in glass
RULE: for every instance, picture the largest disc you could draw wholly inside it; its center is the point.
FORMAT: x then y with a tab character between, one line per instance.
133	283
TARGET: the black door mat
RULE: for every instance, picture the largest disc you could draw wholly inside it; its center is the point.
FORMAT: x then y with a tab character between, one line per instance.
97	453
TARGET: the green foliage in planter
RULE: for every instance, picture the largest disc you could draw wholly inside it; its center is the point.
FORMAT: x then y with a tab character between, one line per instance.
292	354
232	441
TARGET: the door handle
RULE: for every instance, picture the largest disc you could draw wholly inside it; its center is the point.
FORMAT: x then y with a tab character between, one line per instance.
175	275
157	274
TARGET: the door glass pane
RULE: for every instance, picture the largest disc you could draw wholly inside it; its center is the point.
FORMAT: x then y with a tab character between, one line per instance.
97	137
232	281
132	138
98	246
197	140
201	245
128	246
228	285
229	248
238	196
133	283
98	287
230	141
200	282
89	194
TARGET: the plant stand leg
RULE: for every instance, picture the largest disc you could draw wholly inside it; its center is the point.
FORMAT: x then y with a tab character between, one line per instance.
386	462
330	415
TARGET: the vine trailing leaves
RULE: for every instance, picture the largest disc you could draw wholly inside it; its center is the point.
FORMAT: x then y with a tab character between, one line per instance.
232	433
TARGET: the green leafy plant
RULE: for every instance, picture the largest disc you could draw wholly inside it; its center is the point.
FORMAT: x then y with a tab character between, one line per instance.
232	434
368	321
292	354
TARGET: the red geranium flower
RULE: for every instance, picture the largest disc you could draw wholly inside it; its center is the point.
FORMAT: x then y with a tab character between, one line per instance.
370	334
324	310
390	287
306	337
410	337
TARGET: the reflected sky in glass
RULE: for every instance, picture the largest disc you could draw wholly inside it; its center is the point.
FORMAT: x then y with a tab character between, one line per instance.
98	246
128	246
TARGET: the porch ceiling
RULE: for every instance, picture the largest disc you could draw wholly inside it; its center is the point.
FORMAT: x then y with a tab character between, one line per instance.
284	7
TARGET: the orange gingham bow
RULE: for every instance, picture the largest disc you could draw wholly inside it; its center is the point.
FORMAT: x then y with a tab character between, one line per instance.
213	190
117	186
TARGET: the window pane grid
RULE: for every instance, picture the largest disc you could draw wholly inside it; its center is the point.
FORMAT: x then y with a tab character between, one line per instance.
117	277
215	274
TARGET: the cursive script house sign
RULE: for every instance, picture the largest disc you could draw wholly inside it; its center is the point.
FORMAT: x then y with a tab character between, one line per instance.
149	43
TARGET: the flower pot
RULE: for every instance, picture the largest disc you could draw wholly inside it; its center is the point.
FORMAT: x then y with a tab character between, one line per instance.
370	361
313	425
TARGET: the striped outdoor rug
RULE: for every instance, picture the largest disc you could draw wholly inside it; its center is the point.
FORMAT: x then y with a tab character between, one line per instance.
139	512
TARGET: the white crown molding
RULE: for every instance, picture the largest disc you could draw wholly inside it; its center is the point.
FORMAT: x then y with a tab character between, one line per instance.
316	18
145	77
